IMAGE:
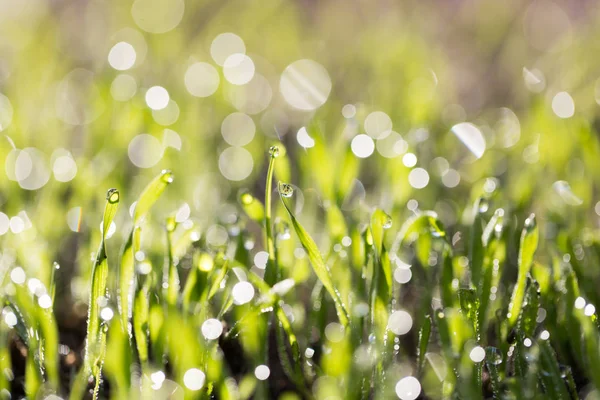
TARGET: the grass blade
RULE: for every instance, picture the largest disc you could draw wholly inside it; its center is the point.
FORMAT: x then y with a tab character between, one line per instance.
529	242
99	276
315	257
272	267
145	201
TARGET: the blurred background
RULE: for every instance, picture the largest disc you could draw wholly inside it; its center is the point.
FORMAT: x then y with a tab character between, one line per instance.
399	105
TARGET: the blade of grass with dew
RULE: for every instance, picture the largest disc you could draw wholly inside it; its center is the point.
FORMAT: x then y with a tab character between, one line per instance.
49	339
93	358
469	306
424	335
578	321
525	327
271	271
146	200
446	278
450	379
315	257
494	254
528	245
476	249
172	276
381	280
26	327
550	374
493	358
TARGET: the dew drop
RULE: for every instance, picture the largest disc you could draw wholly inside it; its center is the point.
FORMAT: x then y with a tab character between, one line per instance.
274	151
112	196
530	222
494	355
286	189
167	176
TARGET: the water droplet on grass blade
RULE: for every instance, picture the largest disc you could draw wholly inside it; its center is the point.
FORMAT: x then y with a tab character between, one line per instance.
274	151
286	189
112	196
484	205
530	223
493	355
387	223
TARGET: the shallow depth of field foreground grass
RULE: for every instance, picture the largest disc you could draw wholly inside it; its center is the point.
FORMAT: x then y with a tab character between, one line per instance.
294	199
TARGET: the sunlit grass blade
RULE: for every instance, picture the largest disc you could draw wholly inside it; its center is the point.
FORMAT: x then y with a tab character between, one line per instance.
150	195
494	255
315	258
145	201
49	338
140	322
99	289
469	305
172	275
271	272
24	310
476	249
528	246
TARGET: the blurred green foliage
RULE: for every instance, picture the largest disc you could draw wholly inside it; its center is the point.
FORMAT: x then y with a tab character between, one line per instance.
416	142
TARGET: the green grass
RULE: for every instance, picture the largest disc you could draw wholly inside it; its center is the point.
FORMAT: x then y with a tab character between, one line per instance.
474	327
337	274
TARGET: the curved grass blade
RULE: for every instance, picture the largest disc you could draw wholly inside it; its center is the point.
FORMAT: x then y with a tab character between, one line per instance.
271	271
529	242
316	260
99	289
145	201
